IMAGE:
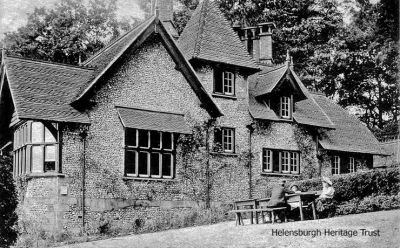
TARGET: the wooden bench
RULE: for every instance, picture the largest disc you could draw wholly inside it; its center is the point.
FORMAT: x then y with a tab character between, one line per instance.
239	219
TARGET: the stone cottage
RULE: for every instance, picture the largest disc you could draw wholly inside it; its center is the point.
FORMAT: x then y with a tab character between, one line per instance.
108	136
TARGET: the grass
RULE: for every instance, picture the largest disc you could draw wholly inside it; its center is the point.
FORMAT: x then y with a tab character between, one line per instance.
228	235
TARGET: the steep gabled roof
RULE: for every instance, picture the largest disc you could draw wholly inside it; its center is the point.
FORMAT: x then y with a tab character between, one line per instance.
306	112
269	79
350	135
108	56
44	90
208	36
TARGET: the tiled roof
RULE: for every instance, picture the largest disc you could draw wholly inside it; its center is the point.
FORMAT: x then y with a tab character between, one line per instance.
266	80
153	120
259	110
44	90
106	57
306	112
350	134
209	36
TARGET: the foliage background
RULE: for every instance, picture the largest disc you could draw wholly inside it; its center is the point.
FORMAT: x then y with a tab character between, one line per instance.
8	203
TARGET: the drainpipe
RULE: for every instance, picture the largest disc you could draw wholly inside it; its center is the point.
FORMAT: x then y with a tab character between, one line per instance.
251	130
83	135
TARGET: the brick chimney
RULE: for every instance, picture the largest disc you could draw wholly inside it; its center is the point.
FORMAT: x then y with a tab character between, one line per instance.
165	8
265	42
257	40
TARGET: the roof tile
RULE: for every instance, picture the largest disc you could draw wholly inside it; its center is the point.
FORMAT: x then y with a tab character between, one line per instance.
153	120
44	90
208	36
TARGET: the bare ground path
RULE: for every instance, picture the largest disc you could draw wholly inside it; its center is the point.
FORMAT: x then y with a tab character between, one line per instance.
228	235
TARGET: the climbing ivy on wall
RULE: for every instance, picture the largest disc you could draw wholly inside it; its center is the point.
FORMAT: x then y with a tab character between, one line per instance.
306	144
199	168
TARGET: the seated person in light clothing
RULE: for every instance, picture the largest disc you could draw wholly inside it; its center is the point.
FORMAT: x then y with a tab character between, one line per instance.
326	195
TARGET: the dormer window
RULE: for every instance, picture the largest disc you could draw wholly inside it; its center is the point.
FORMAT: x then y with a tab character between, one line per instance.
224	82
286	107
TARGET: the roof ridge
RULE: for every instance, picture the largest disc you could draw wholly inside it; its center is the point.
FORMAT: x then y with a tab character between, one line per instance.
326	115
199	38
50	62
276	68
114	41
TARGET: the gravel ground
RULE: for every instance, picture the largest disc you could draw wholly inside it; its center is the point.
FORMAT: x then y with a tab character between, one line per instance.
383	226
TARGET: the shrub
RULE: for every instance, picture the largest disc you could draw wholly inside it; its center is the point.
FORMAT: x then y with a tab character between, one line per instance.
8	203
359	184
369	204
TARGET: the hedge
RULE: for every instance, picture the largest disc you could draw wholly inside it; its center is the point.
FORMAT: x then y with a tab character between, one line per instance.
359	185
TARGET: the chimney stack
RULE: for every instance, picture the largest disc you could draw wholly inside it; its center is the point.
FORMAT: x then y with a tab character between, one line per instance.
265	36
165	8
257	40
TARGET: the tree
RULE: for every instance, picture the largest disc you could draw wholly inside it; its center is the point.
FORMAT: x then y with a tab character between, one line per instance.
8	203
355	64
363	68
69	32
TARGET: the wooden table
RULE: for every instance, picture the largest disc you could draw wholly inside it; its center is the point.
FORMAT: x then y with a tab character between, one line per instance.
304	198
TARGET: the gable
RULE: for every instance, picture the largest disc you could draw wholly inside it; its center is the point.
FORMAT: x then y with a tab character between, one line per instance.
132	41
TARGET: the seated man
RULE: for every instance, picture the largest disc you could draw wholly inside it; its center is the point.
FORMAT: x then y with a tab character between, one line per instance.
278	196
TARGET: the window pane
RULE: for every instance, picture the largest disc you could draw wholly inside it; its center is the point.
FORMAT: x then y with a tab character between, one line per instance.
143	163
48	136
167	141
37	132
50	153
37	158
155	139
130	137
155	164
218	81
143	138
130	162
167	165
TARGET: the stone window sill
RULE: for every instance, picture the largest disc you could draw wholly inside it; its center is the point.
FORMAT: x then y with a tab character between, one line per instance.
228	154
279	174
127	178
224	96
45	174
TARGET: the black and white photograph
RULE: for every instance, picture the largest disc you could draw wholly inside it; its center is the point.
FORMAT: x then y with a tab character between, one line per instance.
199	123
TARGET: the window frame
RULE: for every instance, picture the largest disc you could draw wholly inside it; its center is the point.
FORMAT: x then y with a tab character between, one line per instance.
336	165
228	81
232	137
284	167
267	160
24	144
149	150
224	79
288	107
352	165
